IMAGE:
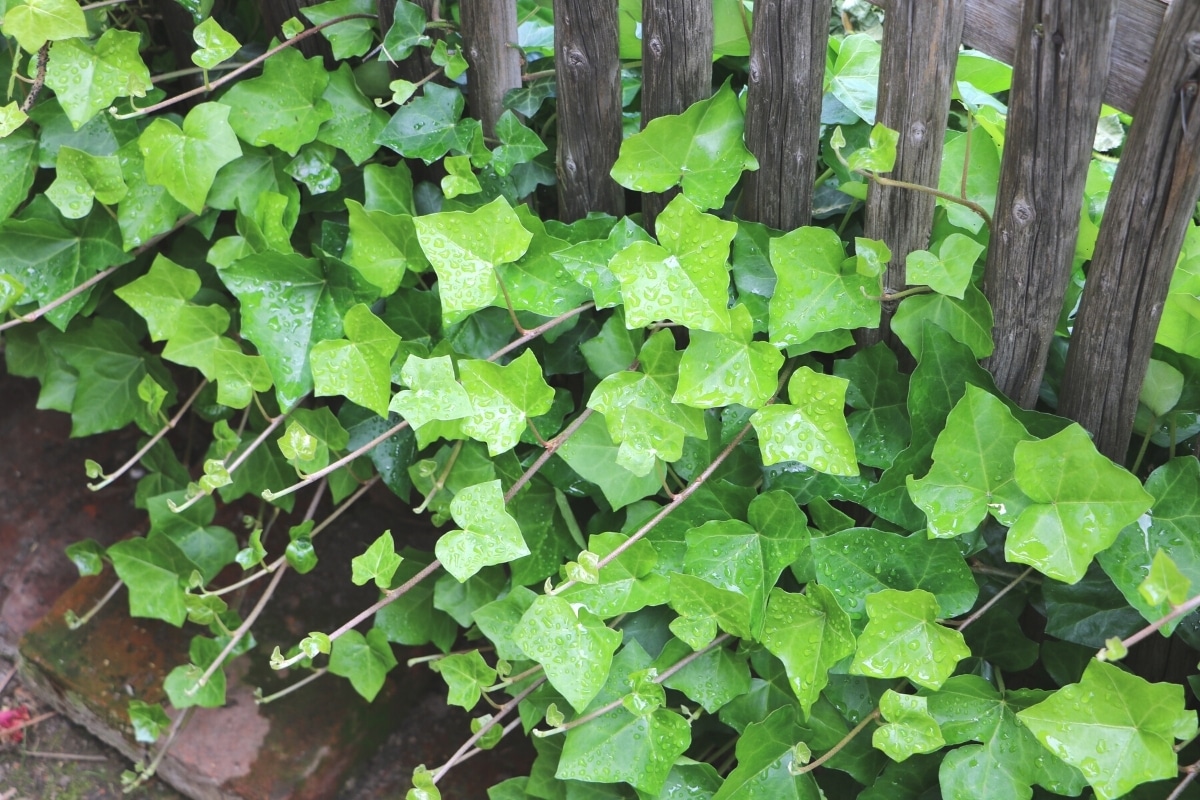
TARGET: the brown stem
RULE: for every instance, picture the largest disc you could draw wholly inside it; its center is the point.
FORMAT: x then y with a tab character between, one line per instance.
502	712
551	448
1176	612
837	748
39	79
983	609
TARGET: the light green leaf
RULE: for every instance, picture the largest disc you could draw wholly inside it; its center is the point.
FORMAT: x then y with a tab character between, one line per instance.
573	646
686	278
766	762
34	22
503	399
1165	584
701	148
904	640
11	118
80	177
314	168
592	453
854	79
365	660
467	675
148	720
153	569
160	294
1116	728
809	633
186	161
86	78
968	320
910	727
535	282
519	144
1161	388
818	288
285	106
487	535
182	685
1081	500
407	31
378	563
720	370
459	177
348	39
626	584
214	43
711	679
356	121
382	246
588	261
466	247
812	429
433	392
972	470
880	153
427	126
949	272
702	608
983	176
18	163
146	210
359	366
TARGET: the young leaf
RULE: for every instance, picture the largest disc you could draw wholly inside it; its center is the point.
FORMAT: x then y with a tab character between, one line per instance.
949	272
588	262
87	556
712	679
186	160
624	585
573	645
285	106
467	675
812	430
365	660
904	640
1165	584
35	22
300	553
378	563
214	44
182	684
359	366
720	370
1081	500
149	720
854	79
880	153
433	392
356	121
809	633
459	178
703	607
701	148
1116	728
910	728
81	177
503	399
591	453
160	294
518	144
487	535
685	278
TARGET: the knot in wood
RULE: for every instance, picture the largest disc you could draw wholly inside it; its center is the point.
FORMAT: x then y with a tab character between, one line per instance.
576	57
1022	213
916	132
656	46
1192	46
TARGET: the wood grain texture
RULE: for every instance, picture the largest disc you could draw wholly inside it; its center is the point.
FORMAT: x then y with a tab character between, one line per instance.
1153	196
589	107
489	31
992	26
920	49
783	110
677	51
1058	80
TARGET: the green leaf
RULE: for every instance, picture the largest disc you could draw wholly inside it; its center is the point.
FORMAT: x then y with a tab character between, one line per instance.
382	246
310	437
182	685
973	467
18	163
812	430
701	148
365	660
185	161
466	247
880	153
80	177
809	633
1165	584
588	261
720	370
356	121
214	44
983	176
904	640
703	607
766	760
378	563
148	720
910	727
1161	388
427	126
467	675
285	106
87	556
301	556
11	118
153	570
36	21
433	392
535	282
160	295
626	584
503	399
86	78
815	291
878	393
572	645
854	79
1116	728
518	144
497	620
712	679
592	454
460	178
968	320
487	535
1080	502
412	619
359	366
407	31
686	278
949	272
348	39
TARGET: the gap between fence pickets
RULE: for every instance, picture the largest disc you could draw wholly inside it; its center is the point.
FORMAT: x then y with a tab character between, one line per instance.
991	27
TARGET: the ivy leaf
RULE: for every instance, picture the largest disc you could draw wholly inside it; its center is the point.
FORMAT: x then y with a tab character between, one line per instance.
407	31
702	608
488	535
466	247
467	675
1165	585
588	261
365	660
434	394
712	679
809	633
686	278
498	618
18	164
146	210
359	366
301	556
593	455
378	563
854	78
11	118
36	21
503	399
626	584
87	556
1116	728
573	645
427	126
214	44
949	272
701	148
285	106
880	153
185	161
720	370
460	178
812	430
348	39
86	78
973	467
535	282
909	730
1166	530
160	295
518	144
152	569
1081	500
766	760
412	619
80	177
148	720
968	320
182	684
818	288
904	640
356	121
878	393
382	246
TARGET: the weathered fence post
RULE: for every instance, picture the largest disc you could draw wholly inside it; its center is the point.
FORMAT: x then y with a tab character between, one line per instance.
1060	70
677	53
1153	196
783	110
489	31
916	69
589	107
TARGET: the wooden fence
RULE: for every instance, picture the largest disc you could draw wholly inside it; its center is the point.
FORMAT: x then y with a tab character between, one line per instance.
1141	56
